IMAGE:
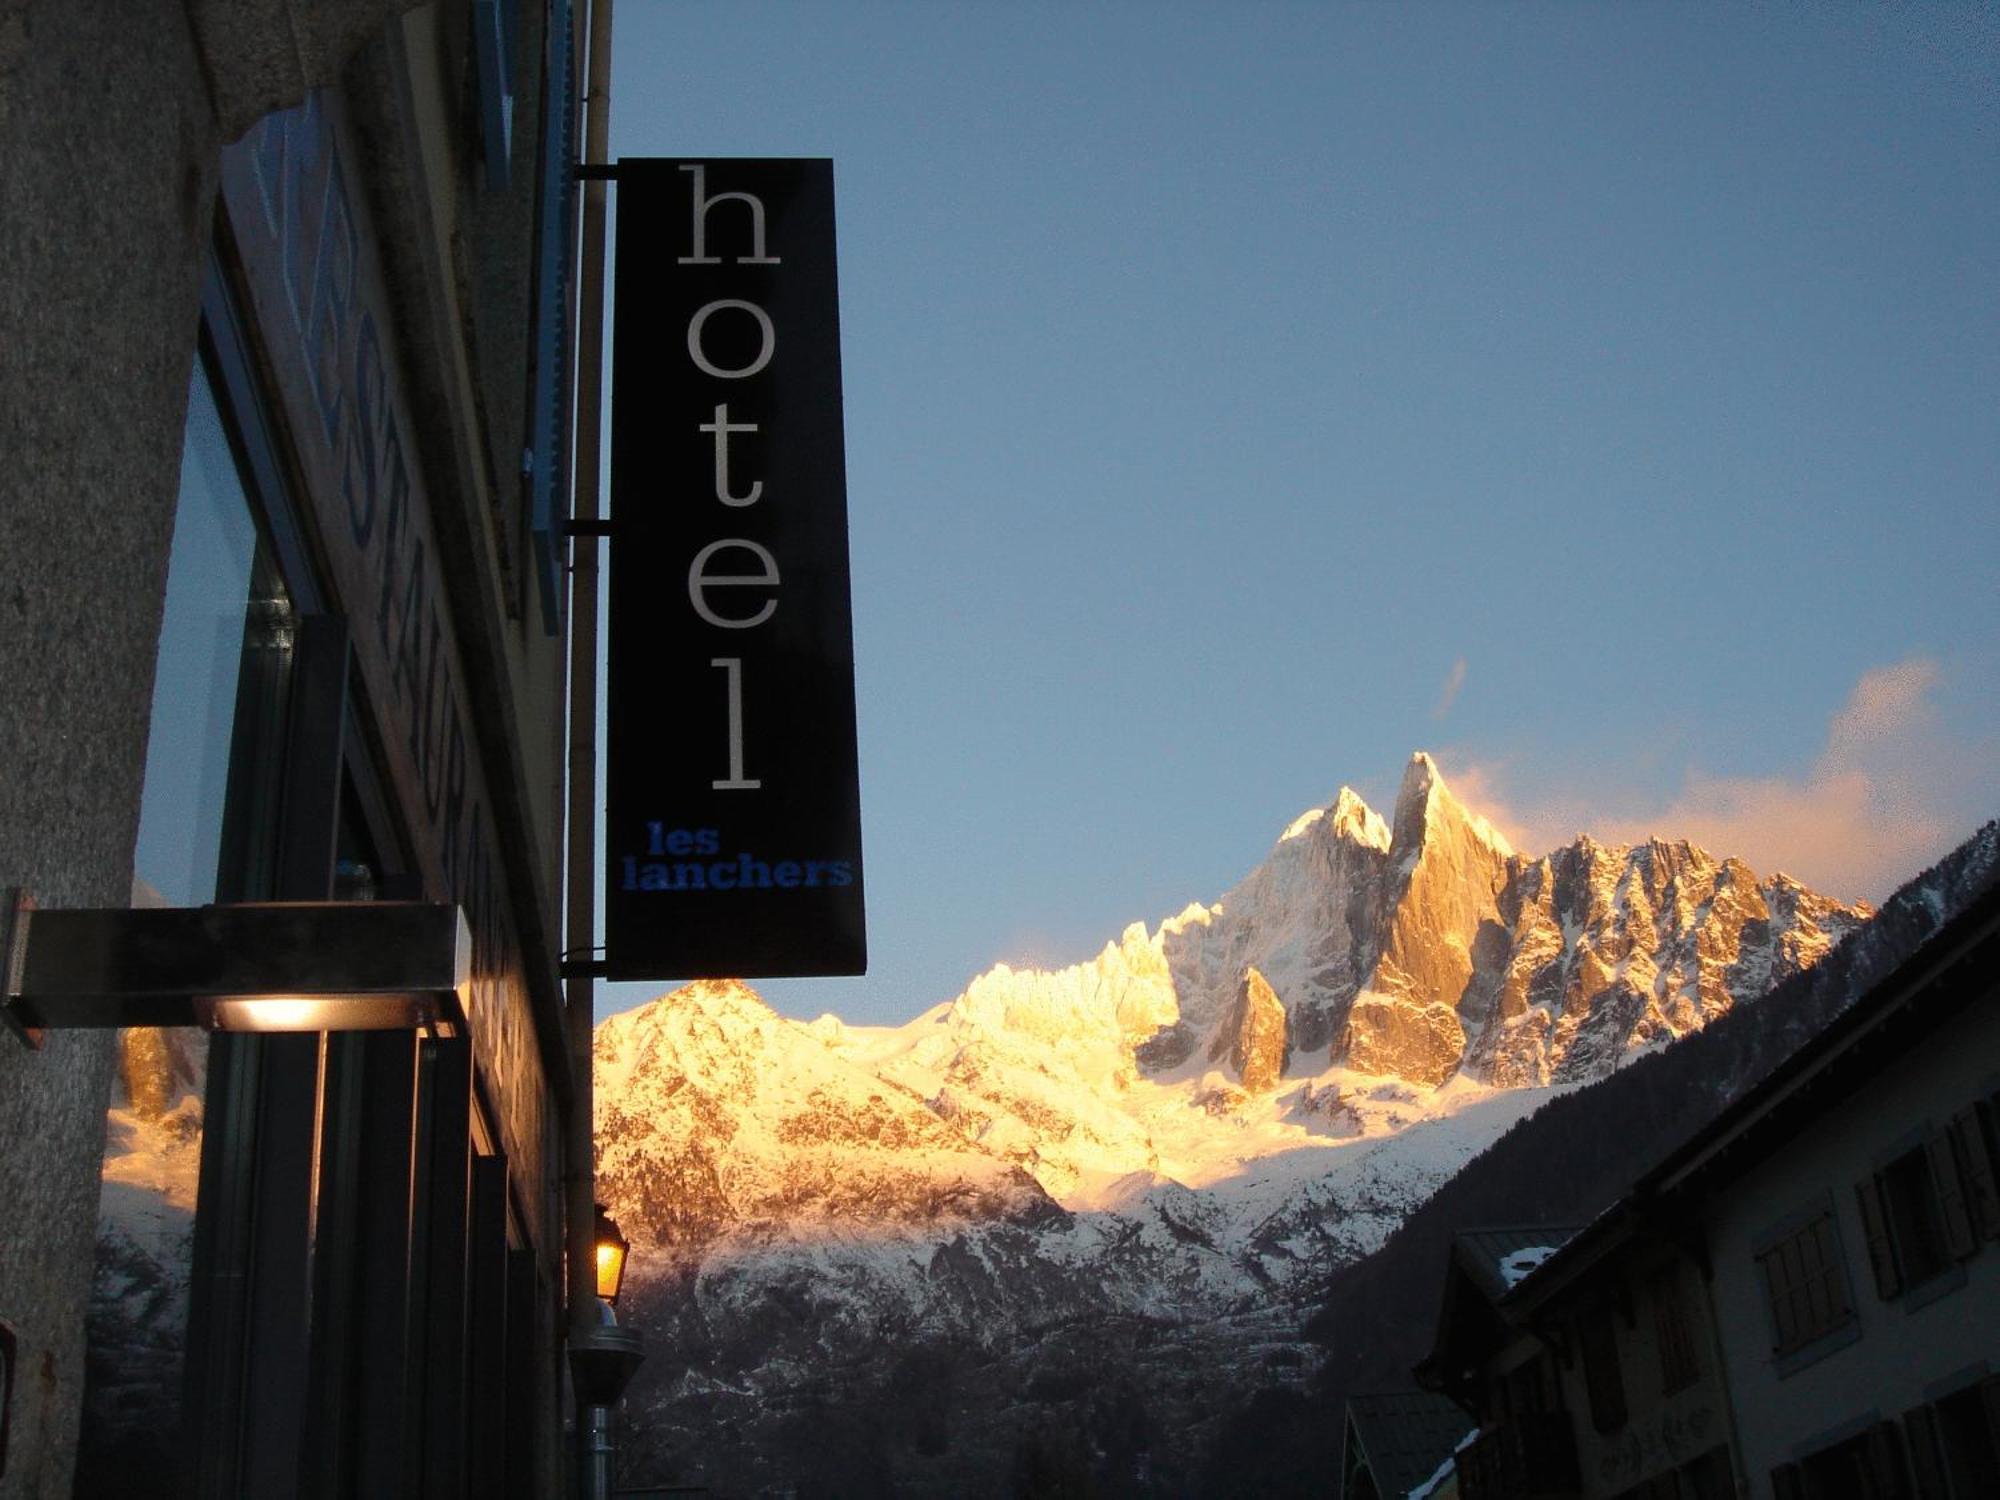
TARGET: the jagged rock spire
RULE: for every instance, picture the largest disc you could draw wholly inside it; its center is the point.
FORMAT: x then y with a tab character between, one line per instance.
1258	1035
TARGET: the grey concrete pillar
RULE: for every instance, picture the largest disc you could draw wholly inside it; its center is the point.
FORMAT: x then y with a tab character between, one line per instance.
107	153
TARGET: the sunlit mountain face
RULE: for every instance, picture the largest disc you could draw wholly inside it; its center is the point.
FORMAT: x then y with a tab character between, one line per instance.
1057	1219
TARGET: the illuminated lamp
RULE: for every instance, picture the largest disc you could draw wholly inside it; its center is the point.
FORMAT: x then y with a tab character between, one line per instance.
274	966
611	1251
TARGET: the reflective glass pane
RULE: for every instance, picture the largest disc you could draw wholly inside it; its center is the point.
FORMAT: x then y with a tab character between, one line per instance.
201	654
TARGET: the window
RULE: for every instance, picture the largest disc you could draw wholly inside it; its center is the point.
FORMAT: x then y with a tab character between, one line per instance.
1602	1379
496	30
1867	1466
1525	1388
1916	1217
1709	1477
1915	1213
207	816
1974	1145
1673	1331
1805	1283
1954	1442
211	624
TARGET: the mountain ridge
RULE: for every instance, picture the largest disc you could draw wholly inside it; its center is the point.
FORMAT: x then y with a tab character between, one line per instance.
1166	1149
1564	1164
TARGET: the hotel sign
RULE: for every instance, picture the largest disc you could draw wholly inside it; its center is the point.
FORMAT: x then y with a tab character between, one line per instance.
733	832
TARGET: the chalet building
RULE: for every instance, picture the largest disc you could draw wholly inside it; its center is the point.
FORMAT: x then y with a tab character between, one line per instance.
284	303
1616	1387
1800	1303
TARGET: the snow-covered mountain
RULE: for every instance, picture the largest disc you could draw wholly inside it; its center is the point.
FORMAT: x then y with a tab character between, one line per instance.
137	1321
1134	1172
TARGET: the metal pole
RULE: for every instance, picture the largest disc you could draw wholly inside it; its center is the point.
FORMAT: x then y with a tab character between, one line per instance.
592	1423
593	1441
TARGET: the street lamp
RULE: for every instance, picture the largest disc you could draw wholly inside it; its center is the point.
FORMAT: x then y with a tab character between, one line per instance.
602	1360
276	966
611	1250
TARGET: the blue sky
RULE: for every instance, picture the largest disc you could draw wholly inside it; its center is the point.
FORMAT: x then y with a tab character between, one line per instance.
1240	397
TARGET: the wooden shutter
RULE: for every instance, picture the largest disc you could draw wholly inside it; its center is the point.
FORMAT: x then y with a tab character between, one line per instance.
1920	1436
1970	1143
1959	1240
1875	1226
1603	1380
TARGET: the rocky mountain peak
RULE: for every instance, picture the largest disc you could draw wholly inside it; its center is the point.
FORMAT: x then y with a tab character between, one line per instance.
718	1118
1354	820
1427	809
1433	924
159	1068
1421	951
719	999
727	1007
1172	1136
1260	1046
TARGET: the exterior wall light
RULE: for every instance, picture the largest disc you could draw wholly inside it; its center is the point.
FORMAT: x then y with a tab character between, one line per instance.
279	966
611	1251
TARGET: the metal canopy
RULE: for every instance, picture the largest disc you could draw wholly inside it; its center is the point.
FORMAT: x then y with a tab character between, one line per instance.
281	966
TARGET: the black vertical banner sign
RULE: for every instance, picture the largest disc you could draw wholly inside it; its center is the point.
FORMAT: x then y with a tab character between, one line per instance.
733	834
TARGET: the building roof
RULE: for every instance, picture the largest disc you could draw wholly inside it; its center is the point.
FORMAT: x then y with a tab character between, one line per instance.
1496	1258
1403	1435
1484	1267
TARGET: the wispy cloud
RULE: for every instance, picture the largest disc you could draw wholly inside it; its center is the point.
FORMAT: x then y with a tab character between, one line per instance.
1448	694
1878	803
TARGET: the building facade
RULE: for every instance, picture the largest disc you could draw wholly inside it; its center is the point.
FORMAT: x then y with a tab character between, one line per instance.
283	310
1800	1303
1610	1383
1856	1268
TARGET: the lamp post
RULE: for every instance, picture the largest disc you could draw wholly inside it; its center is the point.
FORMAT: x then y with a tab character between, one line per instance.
602	1359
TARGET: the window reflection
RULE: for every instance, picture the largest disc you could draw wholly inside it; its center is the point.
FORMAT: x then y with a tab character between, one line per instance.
201	654
206	826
